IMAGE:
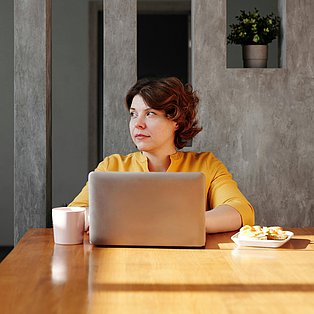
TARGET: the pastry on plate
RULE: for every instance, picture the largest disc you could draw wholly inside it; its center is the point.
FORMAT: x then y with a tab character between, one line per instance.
262	233
276	233
252	233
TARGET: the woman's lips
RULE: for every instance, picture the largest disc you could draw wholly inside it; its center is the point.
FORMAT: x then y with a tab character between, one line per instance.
141	136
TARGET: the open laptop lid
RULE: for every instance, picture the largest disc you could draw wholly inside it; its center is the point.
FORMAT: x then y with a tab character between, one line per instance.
147	209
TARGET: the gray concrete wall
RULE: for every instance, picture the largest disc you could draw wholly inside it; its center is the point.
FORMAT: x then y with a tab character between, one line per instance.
69	108
32	115
260	121
6	121
70	101
119	72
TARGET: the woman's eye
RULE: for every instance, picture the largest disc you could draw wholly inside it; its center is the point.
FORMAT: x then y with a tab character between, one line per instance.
151	113
132	114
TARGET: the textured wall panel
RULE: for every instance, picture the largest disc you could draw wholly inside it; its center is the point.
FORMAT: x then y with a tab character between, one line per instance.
32	113
119	72
259	122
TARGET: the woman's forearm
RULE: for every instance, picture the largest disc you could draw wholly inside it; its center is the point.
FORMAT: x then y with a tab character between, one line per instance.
223	218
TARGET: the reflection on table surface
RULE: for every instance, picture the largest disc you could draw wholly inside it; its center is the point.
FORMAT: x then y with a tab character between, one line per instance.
223	277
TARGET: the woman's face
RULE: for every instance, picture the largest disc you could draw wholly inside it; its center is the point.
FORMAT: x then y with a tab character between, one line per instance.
150	129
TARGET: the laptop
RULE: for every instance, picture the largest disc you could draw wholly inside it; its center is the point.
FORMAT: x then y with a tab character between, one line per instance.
153	209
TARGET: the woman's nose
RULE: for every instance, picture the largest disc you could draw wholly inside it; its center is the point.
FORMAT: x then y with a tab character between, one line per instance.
140	123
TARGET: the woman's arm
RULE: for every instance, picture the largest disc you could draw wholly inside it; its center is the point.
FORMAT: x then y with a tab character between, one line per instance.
222	218
227	201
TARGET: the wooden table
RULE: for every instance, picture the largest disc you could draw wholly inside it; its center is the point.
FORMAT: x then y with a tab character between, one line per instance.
41	277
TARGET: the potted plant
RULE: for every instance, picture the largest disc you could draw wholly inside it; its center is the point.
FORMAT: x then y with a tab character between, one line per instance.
254	32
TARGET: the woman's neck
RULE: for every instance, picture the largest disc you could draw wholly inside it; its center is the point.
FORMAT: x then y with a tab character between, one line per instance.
158	163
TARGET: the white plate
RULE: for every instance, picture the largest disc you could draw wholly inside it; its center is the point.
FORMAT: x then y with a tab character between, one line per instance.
261	243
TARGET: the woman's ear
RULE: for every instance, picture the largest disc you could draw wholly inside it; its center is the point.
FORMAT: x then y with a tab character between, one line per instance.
176	126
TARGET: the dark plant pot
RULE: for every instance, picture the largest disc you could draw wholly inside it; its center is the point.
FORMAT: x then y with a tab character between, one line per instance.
255	56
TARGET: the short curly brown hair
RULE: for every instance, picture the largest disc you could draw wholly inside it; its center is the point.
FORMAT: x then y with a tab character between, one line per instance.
178	101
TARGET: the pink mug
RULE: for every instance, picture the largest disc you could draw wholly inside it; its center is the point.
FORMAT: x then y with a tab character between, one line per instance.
68	224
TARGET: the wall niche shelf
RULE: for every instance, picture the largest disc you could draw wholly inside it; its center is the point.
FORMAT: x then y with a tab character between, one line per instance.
276	49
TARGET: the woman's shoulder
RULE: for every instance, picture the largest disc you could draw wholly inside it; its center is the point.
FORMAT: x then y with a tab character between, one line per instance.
119	162
197	155
134	155
206	159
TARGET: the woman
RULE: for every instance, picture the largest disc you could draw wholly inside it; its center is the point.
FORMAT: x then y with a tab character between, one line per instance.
162	120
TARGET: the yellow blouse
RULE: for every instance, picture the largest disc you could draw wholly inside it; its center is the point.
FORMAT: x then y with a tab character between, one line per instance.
220	187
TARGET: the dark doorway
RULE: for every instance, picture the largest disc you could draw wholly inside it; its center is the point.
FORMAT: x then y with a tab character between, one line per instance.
163	45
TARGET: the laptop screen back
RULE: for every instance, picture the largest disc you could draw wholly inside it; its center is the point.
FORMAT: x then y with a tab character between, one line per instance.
147	209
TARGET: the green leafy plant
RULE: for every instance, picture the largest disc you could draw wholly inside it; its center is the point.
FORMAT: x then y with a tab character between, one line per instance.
253	29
